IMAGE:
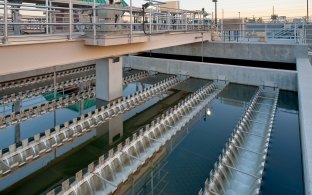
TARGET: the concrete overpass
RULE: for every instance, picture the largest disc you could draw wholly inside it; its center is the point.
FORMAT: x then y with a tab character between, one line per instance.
25	56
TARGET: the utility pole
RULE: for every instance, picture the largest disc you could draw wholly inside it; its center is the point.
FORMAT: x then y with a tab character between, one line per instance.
307	11
216	17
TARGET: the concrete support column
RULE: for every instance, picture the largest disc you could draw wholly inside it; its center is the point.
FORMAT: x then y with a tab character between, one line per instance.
109	78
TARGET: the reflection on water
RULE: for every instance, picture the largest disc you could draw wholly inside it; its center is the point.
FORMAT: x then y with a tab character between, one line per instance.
108	135
191	157
283	173
189	164
49	120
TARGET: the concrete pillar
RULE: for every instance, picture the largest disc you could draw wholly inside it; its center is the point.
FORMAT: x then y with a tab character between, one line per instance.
109	78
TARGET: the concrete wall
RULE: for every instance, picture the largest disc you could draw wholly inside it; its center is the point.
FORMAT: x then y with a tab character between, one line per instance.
244	51
244	75
305	107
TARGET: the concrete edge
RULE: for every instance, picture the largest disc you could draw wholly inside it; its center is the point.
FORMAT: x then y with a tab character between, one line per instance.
286	79
305	116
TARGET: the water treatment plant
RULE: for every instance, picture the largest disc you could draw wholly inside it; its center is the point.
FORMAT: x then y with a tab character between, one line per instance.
104	97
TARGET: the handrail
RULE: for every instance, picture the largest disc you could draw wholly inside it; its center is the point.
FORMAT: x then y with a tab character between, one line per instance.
50	20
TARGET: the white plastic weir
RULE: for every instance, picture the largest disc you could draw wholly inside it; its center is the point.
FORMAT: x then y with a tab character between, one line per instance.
108	174
46	89
16	157
241	164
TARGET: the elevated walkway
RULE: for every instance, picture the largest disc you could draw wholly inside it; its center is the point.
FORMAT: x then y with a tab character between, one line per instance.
241	164
41	54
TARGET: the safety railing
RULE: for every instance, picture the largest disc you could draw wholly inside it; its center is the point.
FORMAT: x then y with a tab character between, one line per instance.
106	175
74	20
239	169
40	145
288	33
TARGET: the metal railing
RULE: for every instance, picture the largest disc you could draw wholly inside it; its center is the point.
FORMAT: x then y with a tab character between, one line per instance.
288	33
91	20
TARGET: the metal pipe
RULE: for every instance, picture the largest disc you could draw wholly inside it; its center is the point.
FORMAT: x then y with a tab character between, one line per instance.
150	14
70	19
131	22
307	11
5	39
50	16
216	17
47	16
93	21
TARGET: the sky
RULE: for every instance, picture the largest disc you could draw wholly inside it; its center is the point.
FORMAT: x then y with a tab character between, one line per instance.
247	8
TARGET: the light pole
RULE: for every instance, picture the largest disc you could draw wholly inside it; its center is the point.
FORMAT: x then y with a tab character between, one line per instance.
307	11
216	19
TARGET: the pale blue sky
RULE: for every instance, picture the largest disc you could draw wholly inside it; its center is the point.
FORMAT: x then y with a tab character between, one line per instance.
248	8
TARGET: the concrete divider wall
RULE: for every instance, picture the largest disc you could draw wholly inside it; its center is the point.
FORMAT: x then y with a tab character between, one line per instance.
243	51
305	107
284	79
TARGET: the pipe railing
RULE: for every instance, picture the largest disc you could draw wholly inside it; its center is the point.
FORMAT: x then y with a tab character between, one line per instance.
92	20
288	33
